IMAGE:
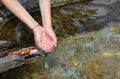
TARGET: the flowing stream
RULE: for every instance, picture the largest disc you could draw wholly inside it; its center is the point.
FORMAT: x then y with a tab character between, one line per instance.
88	43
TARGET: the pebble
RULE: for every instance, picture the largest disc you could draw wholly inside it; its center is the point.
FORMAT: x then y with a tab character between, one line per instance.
46	65
1	19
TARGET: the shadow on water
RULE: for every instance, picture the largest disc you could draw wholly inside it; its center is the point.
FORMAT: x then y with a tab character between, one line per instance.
85	50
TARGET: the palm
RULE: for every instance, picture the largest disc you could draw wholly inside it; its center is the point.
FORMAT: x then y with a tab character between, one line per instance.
52	35
44	39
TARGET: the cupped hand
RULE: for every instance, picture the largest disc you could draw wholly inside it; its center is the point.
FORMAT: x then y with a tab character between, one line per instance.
52	35
43	40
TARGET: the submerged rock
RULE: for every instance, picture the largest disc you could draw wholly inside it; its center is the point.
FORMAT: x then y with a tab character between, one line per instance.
1	19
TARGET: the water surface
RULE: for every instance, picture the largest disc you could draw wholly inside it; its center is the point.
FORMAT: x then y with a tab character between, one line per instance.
88	43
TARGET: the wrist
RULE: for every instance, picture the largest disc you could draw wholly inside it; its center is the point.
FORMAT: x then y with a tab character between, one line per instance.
36	28
48	28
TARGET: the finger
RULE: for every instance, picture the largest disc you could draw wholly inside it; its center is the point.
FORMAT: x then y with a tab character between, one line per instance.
46	46
50	49
47	43
54	39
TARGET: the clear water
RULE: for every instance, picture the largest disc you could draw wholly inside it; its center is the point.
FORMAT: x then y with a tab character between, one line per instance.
88	43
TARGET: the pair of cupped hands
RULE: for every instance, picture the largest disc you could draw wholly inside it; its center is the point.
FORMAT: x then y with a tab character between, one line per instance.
45	38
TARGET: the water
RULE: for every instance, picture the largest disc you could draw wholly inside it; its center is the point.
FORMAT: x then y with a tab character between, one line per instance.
88	43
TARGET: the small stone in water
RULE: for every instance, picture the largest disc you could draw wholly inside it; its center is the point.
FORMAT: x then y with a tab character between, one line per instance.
1	19
46	65
107	54
74	61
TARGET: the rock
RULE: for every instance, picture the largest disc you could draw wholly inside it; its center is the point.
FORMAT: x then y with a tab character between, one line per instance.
75	61
1	19
10	62
5	46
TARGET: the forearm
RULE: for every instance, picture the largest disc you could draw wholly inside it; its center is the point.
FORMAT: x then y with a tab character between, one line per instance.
45	7
16	8
1	3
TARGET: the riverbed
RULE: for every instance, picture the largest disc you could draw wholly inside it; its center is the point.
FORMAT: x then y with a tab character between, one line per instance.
88	43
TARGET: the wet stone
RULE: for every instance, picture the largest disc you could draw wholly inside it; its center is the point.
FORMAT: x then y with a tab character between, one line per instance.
104	2
1	19
75	61
6	45
10	62
100	11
